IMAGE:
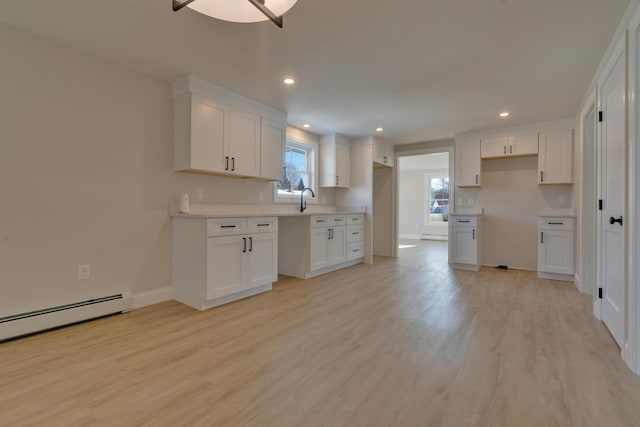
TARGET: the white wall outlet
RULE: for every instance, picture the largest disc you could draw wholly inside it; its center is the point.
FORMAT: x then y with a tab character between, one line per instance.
563	199
460	202
260	196
470	201
84	272
199	193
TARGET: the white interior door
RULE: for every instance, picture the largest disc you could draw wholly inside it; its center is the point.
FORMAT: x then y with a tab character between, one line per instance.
612	193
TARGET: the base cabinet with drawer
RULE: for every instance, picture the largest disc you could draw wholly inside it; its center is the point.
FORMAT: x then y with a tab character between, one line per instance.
317	244
464	237
555	248
218	260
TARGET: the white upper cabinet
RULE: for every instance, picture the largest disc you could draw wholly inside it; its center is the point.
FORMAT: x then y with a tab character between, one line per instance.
382	154
468	163
244	143
334	161
555	159
219	132
273	139
509	146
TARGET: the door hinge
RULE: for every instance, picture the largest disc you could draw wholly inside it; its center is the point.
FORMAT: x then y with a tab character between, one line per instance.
600	293
599	116
600	204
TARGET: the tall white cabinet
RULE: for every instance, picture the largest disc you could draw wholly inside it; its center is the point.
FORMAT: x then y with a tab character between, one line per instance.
334	161
218	260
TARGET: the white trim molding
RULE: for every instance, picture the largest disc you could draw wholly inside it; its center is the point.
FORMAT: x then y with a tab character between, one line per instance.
154	296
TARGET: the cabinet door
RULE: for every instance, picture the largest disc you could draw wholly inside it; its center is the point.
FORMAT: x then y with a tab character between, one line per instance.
342	165
464	245
225	265
209	133
262	259
555	158
555	251
272	142
523	145
494	147
468	164
337	246
319	239
244	143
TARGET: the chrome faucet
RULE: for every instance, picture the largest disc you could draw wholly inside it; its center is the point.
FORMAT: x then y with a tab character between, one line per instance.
303	206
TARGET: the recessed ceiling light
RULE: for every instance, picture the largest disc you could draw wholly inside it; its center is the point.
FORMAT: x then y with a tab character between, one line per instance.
379	129
504	114
306	125
289	81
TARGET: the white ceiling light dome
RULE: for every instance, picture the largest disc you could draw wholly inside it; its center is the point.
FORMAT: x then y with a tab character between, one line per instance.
239	10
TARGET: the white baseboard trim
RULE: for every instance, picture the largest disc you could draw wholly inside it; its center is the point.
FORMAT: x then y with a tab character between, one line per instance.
577	282
597	309
151	297
409	236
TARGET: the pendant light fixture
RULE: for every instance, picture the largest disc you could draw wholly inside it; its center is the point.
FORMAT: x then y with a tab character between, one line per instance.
239	10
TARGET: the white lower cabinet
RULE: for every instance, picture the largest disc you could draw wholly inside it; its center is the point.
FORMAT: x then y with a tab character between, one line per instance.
218	260
555	248
464	238
310	246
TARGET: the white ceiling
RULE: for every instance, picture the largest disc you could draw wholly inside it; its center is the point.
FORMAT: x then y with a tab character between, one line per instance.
422	69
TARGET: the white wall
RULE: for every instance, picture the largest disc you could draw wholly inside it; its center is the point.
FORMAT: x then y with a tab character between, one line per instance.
86	175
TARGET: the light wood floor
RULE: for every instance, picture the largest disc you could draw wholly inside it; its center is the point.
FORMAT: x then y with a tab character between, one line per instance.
402	342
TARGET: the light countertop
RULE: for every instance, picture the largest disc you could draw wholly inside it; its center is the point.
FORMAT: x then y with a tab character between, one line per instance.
201	210
558	213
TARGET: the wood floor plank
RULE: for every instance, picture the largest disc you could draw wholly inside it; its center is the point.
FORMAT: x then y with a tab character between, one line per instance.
401	342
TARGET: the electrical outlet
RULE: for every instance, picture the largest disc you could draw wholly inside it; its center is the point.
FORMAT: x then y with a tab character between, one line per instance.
260	196
459	202
84	272
470	201
199	193
563	199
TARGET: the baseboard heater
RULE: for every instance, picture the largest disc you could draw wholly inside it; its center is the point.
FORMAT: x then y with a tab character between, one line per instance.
30	322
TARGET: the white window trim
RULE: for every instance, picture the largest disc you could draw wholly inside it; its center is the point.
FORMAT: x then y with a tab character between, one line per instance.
435	173
313	174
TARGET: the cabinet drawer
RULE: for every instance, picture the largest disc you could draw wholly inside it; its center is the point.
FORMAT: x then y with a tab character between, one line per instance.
225	226
355	250
337	220
320	221
355	219
465	221
548	223
355	233
262	224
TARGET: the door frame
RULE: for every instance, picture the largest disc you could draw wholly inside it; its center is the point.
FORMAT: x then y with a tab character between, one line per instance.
631	352
452	184
587	282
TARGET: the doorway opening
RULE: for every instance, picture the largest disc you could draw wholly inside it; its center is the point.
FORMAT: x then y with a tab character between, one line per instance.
424	196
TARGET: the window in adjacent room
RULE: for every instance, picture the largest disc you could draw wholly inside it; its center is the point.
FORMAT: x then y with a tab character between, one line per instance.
438	208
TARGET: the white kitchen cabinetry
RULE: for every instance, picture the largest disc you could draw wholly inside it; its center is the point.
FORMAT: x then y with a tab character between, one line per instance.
509	146
222	133
218	260
464	237
468	164
383	154
317	244
555	159
273	139
555	248
334	161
